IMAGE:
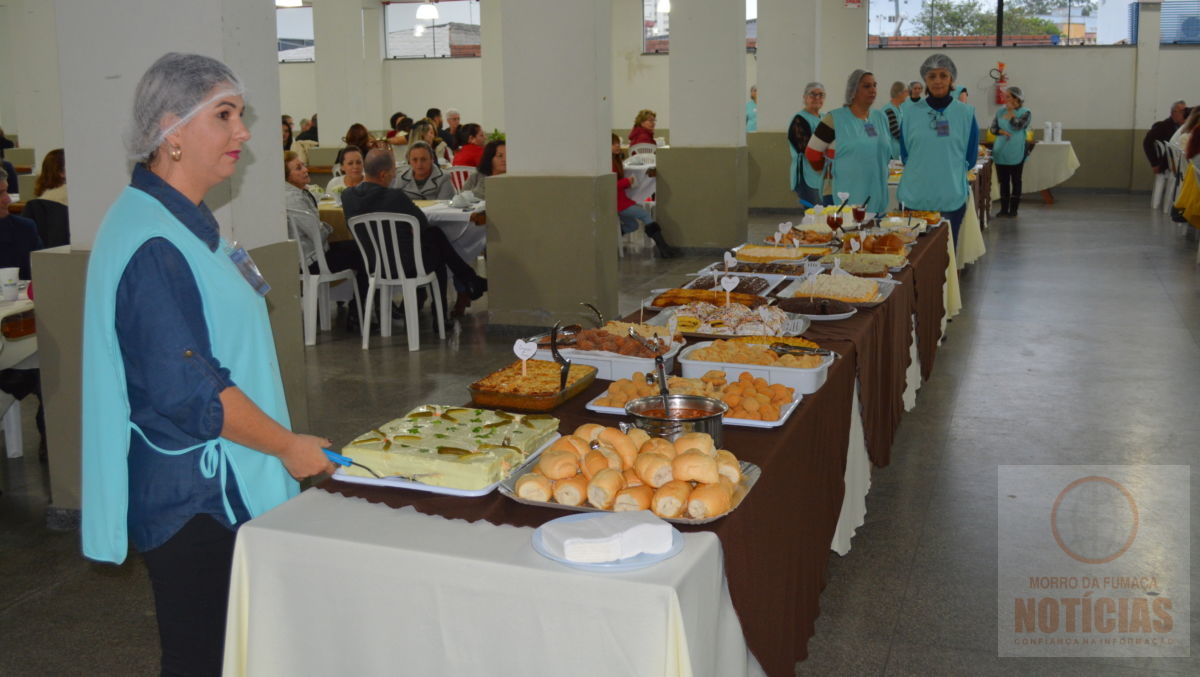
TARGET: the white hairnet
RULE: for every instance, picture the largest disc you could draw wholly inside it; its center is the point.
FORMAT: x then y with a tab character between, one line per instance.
811	86
939	61
1016	92
180	85
852	84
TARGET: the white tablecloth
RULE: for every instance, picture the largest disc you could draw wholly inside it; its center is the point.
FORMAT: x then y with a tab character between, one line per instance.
644	185
326	585
468	239
970	246
1047	166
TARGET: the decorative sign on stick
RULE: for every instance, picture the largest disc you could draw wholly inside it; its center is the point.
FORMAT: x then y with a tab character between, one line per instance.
730	261
812	268
855	245
673	326
778	238
524	350
729	283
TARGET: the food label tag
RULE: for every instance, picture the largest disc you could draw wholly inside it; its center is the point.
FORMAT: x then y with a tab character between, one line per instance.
808	220
729	282
837	268
730	261
855	245
778	238
673	326
814	268
843	196
785	226
525	349
764	314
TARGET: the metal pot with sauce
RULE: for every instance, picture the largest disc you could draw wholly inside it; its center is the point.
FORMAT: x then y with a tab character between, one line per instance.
683	414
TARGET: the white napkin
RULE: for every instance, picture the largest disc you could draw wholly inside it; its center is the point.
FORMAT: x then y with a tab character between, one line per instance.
608	537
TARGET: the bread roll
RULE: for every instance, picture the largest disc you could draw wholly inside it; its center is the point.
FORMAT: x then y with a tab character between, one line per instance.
728	466
709	500
588	431
619	442
638	437
695	466
633	498
572	443
701	441
599	459
631	478
571	491
534	487
671	499
602	490
654	469
658	445
558	464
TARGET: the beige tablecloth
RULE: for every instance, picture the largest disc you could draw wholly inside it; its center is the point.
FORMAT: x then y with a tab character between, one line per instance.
970	246
468	239
328	585
1047	166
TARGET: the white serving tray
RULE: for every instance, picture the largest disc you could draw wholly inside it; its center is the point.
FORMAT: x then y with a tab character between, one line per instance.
750	475
805	381
399	483
795	325
885	290
784	413
773	279
614	366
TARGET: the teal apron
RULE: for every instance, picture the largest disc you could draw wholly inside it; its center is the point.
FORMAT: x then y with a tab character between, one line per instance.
860	166
241	341
1009	150
935	175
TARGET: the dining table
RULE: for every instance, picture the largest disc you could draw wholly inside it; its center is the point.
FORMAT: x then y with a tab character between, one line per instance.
1049	164
451	585
467	237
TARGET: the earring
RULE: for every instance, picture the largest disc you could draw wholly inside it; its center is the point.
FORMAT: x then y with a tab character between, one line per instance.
176	154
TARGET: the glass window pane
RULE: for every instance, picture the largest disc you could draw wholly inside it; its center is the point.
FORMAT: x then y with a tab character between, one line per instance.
294	34
454	33
656	26
1180	22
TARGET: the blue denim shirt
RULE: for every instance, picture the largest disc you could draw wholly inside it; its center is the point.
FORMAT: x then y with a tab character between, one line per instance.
173	379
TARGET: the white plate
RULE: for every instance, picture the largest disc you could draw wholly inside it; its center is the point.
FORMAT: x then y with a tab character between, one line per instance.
795	325
772	279
831	318
398	483
885	290
750	475
784	413
628	564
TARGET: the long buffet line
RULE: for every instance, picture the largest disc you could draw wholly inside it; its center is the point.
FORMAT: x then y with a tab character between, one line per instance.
760	355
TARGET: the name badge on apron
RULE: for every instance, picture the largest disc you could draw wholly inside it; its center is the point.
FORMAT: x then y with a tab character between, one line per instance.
870	130
247	267
942	127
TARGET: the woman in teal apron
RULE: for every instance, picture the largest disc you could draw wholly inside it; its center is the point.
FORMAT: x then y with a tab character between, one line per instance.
939	142
808	183
185	427
1008	152
860	157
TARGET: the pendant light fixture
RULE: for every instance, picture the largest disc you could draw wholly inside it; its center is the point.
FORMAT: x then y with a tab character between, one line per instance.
427	11
664	6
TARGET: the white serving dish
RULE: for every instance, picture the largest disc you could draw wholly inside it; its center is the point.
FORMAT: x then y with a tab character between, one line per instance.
771	279
719	266
401	483
805	381
796	325
613	366
784	414
885	290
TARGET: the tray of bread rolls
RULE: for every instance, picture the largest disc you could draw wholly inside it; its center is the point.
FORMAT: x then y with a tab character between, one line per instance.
602	469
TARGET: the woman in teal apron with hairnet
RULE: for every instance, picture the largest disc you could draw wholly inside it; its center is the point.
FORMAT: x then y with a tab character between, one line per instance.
1008	152
863	145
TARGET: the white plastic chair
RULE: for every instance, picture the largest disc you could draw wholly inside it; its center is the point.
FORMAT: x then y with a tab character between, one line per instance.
314	287
642	148
11	422
459	177
382	230
1175	164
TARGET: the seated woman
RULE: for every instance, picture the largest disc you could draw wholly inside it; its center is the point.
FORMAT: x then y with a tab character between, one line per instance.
472	139
359	137
629	212
287	134
305	225
643	127
398	131
350	159
51	183
493	163
426	130
423	180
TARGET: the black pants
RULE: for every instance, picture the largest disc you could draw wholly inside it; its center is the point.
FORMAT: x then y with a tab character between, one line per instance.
20	383
190	577
1010	181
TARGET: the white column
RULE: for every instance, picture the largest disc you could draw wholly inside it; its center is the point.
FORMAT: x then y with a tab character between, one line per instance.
708	73
557	95
492	64
1147	109
348	37
31	58
98	77
788	58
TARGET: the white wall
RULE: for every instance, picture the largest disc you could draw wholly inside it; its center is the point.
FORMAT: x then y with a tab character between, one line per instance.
416	85
297	90
32	55
1178	78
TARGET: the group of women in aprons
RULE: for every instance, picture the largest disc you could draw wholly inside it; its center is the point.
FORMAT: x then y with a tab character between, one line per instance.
936	136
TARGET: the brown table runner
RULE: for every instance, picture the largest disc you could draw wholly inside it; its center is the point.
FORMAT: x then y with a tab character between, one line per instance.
776	544
930	258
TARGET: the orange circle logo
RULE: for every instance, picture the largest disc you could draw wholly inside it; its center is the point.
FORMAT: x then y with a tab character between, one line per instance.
1098	522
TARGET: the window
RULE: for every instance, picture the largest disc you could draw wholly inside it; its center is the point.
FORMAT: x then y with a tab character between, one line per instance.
1180	22
656	26
1011	23
294	34
454	33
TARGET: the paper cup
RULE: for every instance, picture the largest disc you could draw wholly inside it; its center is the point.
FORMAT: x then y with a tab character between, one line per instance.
9	279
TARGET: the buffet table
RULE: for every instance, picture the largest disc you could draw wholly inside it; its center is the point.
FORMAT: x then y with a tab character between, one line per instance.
775	545
1050	164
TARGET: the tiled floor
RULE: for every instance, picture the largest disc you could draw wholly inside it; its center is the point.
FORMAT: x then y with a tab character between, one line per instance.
1079	343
